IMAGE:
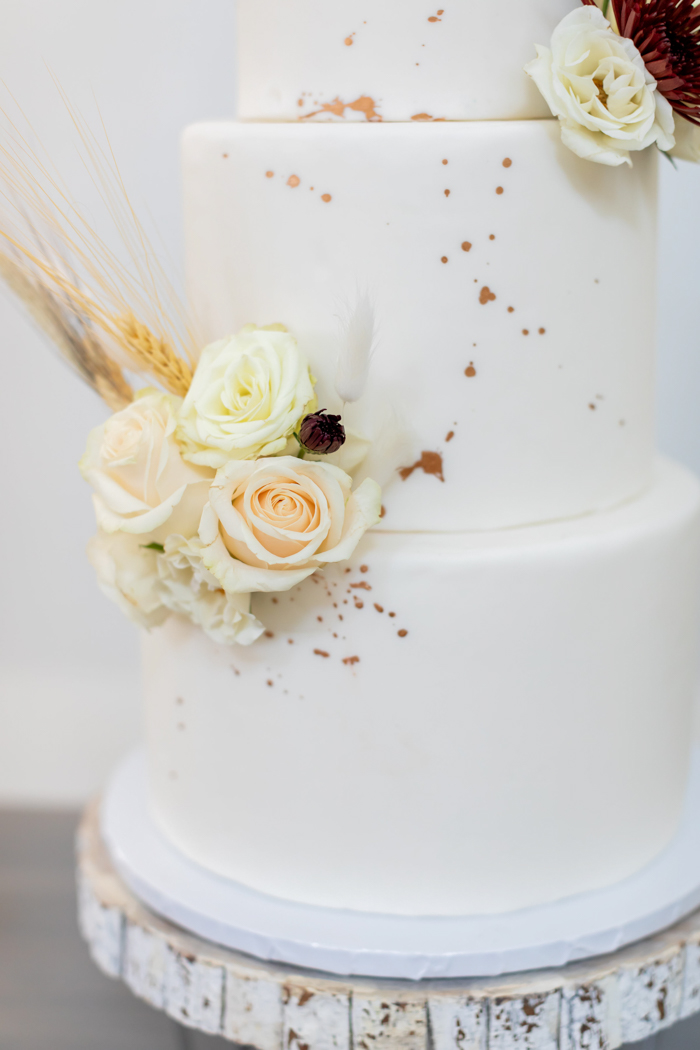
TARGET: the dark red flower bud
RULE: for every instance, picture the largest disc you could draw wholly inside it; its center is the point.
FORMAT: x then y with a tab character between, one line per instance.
321	434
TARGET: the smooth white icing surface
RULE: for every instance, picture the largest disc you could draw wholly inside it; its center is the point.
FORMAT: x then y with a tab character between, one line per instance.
527	739
552	424
394	59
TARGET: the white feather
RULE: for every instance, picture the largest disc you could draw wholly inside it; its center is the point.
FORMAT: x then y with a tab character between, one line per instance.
357	345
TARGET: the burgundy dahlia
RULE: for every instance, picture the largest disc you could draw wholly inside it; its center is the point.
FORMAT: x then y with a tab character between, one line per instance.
321	433
667	35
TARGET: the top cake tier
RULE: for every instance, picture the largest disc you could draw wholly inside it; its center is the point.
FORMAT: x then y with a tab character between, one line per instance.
393	60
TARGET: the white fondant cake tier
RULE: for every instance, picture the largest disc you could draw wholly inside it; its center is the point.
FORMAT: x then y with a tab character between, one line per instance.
516	328
459	724
391	59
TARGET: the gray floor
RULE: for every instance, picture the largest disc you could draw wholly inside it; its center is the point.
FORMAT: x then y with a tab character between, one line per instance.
51	995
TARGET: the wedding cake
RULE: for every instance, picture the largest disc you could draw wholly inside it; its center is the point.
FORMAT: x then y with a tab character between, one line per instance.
487	705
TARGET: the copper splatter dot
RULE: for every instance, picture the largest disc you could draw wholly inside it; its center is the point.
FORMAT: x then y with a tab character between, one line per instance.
470	370
392	614
269	174
450	435
447	193
499	190
359	605
350	660
444	259
348	41
466	246
293	181
526	331
320	619
364	568
486	295
592	407
270	682
510	309
274	601
321	652
225	156
379	608
326	197
444	161
269	634
507	162
492	236
290	641
402	633
382	511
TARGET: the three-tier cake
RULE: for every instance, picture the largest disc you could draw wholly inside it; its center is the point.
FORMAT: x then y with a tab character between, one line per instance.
489	707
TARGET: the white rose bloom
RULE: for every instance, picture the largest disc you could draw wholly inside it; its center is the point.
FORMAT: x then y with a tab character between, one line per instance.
140	479
270	524
127	573
187	588
247	396
687	145
596	83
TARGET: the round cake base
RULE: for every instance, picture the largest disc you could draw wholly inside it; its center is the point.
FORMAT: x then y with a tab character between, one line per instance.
603	1003
414	948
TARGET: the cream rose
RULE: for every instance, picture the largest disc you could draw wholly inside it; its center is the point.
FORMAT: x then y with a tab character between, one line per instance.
247	396
127	573
270	524
140	479
596	83
187	588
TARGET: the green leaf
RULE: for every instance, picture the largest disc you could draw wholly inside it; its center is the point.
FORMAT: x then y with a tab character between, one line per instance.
153	547
669	158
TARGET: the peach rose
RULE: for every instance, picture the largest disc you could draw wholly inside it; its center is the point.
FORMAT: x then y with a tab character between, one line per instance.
271	523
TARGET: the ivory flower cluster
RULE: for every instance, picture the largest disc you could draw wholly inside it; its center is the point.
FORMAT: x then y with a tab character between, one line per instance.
595	81
198	503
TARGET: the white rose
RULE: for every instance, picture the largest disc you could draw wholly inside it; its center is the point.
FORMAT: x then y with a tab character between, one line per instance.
127	573
687	145
140	479
596	83
247	396
187	588
272	523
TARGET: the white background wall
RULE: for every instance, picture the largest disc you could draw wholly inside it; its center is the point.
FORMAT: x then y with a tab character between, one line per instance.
69	692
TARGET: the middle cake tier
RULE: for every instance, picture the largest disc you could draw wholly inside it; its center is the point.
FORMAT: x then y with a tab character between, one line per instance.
514	292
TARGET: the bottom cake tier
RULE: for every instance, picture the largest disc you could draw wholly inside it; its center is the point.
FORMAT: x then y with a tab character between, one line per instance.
455	724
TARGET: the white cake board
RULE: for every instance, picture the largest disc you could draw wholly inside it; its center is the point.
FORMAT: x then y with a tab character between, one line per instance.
355	943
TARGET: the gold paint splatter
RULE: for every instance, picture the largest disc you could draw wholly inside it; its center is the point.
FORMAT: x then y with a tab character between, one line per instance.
321	652
225	156
444	259
429	463
507	162
293	181
364	104
541	331
445	162
470	371
511	309
422	116
499	190
364	568
326	197
269	174
526	331
350	660
492	236
447	193
348	40
486	295
450	435
392	614
402	633
466	246
379	608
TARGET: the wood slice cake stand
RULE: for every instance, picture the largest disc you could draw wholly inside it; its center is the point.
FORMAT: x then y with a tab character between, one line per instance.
598	1004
